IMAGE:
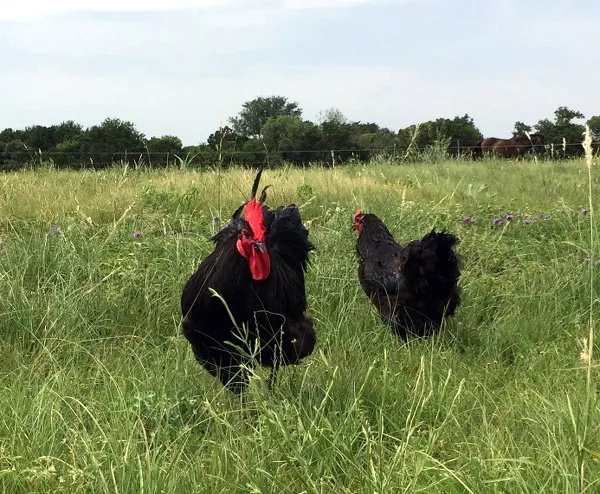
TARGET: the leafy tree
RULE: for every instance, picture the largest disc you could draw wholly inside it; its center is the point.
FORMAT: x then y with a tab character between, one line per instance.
255	113
594	125
112	140
67	131
228	144
521	129
252	152
564	115
460	132
332	114
40	137
2	149
68	152
8	135
225	138
15	154
563	128
201	156
371	139
291	138
159	148
337	137
165	144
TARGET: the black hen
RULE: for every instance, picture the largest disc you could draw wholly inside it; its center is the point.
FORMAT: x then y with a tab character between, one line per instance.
414	287
257	268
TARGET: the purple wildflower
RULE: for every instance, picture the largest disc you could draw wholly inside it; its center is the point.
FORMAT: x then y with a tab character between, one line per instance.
510	217
527	221
468	220
497	221
535	218
136	234
585	211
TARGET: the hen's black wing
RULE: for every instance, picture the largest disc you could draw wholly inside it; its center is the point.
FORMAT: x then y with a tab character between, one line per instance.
413	287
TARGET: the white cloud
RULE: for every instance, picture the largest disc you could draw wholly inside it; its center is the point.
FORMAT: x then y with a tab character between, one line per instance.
177	39
327	4
337	4
184	73
24	10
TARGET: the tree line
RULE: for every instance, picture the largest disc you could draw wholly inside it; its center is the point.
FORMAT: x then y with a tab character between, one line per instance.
271	130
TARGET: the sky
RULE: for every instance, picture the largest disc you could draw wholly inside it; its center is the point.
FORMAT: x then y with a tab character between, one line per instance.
183	67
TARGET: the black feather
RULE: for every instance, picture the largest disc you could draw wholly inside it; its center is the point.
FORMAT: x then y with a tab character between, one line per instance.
414	286
272	312
255	184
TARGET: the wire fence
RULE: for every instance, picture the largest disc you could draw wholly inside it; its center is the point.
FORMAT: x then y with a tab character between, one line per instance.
232	151
206	156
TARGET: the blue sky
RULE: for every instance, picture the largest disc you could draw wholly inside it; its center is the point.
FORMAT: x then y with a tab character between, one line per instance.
183	67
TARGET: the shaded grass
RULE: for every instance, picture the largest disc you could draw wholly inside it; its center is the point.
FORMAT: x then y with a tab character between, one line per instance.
99	392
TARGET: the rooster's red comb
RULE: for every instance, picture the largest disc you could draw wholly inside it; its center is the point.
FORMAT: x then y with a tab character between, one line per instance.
253	214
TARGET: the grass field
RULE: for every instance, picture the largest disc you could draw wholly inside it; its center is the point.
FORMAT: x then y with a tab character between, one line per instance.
99	391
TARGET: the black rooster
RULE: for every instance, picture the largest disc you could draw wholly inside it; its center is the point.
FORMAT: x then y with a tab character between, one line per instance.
414	286
257	269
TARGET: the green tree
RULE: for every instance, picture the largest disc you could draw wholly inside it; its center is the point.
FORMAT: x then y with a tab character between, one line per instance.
164	144
371	139
332	115
337	139
594	125
460	132
113	140
15	155
228	144
255	113
564	115
160	148
8	135
67	131
521	129
40	137
290	138
69	152
563	130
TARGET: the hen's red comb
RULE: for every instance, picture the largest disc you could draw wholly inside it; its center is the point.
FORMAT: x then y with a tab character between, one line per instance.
359	212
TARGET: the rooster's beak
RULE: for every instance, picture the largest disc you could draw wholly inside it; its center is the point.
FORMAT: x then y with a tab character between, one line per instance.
260	246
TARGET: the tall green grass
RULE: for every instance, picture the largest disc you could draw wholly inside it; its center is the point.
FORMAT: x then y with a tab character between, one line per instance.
99	391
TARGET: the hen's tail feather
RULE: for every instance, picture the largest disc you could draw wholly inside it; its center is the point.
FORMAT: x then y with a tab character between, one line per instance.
432	266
